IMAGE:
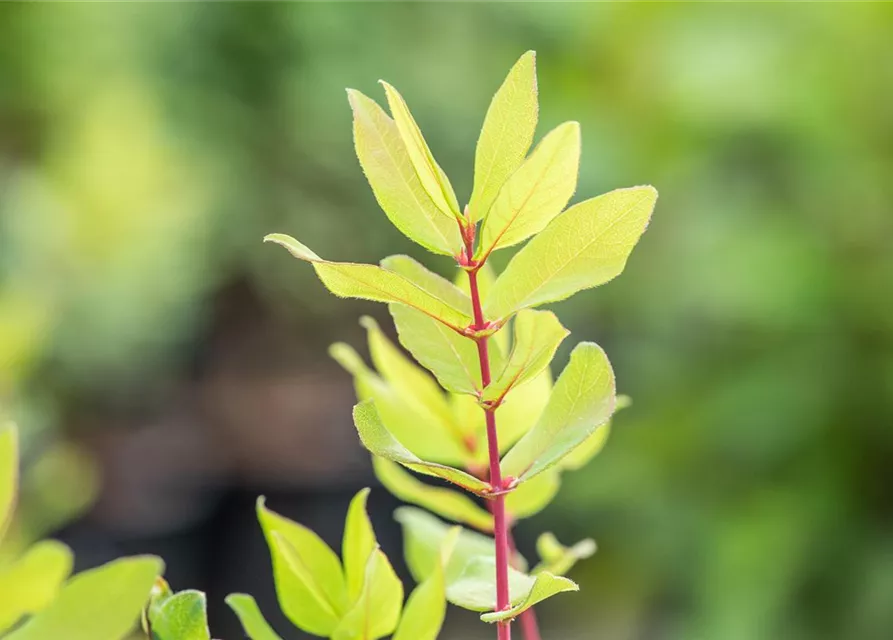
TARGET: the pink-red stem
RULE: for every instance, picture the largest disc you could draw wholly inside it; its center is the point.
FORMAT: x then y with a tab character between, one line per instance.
500	530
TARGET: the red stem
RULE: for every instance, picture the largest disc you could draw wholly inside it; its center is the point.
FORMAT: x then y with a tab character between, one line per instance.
500	530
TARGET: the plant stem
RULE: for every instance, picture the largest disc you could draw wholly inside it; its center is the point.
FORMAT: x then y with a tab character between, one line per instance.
529	625
500	530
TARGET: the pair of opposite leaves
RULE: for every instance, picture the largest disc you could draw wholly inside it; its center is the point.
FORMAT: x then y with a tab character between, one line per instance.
38	599
514	197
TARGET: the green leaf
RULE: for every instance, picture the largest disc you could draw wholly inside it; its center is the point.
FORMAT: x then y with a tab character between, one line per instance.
359	543
432	177
584	247
377	439
309	580
371	282
558	559
256	627
537	335
436	285
424	536
100	604
582	400
535	193
182	616
30	583
452	358
425	610
475	586
519	412
592	446
392	176
377	610
531	497
506	135
546	586
445	502
9	474
409	380
441	439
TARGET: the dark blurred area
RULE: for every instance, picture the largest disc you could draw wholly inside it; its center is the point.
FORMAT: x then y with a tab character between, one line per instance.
166	368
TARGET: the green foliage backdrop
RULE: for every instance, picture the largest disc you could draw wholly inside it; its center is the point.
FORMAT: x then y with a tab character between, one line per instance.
146	149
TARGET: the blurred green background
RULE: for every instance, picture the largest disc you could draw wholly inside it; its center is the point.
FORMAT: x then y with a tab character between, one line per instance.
167	367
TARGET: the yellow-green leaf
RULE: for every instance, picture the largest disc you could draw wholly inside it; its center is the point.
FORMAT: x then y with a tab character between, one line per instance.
376	611
584	247
371	282
253	621
381	442
531	497
359	543
430	436
392	176
182	616
425	610
442	501
592	446
535	193
506	135
558	559
475	586
582	400
31	582
537	335
470	564
309	580
546	586
424	278
432	177
99	604
9	474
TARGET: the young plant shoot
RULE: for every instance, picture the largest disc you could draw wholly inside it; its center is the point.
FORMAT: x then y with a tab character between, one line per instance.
490	422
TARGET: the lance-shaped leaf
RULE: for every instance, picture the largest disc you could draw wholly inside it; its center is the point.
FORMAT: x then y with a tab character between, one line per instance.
181	616
442	501
432	177
535	193
309	580
582	400
432	437
409	380
584	247
9	474
371	282
253	621
99	604
359	543
30	583
531	497
592	446
377	439
425	609
537	335
514	417
451	357
506	135
546	586
557	559
392	176
376	611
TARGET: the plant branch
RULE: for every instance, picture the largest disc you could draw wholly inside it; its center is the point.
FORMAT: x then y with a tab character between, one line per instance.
500	528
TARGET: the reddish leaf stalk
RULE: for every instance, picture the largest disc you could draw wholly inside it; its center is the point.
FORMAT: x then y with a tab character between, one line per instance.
500	528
